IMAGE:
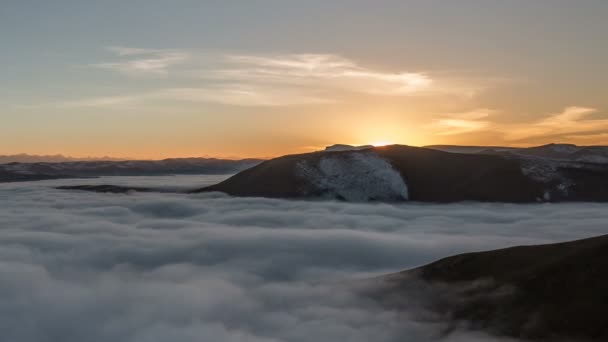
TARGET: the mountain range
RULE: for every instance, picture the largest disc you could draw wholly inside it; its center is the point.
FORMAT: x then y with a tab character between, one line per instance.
555	172
568	152
54	158
78	169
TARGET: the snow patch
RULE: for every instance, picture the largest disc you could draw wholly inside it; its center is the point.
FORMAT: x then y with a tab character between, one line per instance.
563	148
355	177
593	159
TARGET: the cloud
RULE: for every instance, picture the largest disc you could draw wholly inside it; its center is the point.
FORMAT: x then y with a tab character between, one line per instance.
461	123
589	139
571	121
235	95
144	61
325	70
572	124
131	51
243	95
262	80
80	266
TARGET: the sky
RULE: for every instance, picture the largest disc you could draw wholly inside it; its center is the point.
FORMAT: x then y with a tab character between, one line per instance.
159	78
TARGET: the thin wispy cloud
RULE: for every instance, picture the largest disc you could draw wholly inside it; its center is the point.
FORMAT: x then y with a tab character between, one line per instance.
572	123
460	123
132	51
325	70
317	79
262	80
244	95
136	61
589	139
235	95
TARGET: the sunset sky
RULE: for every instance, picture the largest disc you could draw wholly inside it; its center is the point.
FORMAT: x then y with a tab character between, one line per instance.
156	79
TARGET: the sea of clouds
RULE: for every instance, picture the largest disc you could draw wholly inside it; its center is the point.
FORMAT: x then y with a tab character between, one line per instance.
144	267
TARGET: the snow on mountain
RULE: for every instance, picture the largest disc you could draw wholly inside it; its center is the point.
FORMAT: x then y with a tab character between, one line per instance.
354	177
563	148
597	159
564	152
398	173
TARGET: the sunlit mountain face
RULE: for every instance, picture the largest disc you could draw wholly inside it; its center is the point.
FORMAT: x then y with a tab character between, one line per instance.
303	171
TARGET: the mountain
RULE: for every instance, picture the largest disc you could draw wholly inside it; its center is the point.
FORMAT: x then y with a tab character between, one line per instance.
468	149
400	173
554	292
56	158
37	171
343	147
564	152
589	154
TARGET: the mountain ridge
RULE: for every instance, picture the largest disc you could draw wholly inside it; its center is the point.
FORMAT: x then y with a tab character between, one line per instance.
78	169
541	292
429	175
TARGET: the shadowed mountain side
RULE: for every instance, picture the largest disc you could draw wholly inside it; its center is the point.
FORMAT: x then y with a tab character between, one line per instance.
272	178
468	149
8	176
428	175
569	152
104	188
56	158
78	169
438	176
549	292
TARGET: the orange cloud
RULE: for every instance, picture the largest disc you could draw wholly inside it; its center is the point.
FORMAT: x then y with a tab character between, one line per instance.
460	123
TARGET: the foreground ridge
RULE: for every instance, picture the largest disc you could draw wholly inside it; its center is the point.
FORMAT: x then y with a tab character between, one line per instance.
544	292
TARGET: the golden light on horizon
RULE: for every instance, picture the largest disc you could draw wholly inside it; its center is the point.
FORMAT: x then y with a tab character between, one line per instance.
381	143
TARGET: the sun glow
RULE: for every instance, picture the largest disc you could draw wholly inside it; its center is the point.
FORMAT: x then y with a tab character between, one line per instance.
381	143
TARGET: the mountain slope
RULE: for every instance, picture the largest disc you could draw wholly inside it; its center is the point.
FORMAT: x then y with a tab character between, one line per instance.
399	173
35	171
563	152
545	292
468	149
425	175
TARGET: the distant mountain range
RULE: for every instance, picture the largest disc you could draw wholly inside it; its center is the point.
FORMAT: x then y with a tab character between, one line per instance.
554	292
55	158
569	152
46	170
548	173
555	172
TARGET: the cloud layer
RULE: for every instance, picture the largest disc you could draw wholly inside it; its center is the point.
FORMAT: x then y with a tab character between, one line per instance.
80	266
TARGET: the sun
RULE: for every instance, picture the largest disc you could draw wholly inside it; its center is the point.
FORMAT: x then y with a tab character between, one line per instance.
381	143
